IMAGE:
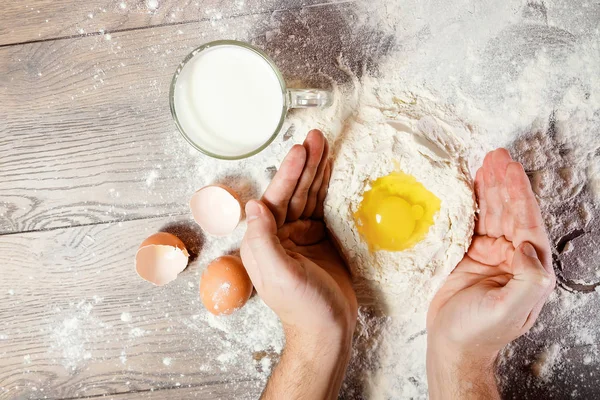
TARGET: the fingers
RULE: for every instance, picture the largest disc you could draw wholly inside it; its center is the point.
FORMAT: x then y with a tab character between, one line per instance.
278	194
535	311
319	210
314	145
479	187
494	171
313	193
262	254
530	285
527	222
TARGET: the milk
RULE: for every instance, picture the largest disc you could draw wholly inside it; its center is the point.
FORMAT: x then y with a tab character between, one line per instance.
228	100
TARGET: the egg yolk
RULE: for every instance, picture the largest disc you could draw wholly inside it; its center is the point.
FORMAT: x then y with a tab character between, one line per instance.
396	212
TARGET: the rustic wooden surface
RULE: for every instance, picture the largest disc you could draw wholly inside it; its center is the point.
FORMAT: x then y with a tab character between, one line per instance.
95	162
91	163
62	297
22	22
216	391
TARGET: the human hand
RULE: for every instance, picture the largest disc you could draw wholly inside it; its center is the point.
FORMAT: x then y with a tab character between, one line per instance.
497	291
299	274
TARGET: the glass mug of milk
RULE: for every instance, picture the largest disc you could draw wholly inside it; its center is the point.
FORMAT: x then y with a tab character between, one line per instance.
229	100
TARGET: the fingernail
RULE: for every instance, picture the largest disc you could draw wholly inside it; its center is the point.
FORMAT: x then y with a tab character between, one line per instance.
252	210
528	250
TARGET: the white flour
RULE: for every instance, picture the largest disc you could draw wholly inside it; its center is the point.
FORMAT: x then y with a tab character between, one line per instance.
430	144
547	361
425	143
389	349
75	328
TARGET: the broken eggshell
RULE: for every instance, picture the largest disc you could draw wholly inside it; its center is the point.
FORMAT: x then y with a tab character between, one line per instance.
160	258
217	209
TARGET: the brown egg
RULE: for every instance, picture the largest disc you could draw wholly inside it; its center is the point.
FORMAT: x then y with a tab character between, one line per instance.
160	258
225	286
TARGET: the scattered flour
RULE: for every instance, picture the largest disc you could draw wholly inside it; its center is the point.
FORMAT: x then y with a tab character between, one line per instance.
547	361
125	317
265	364
136	333
243	340
554	357
167	361
152	175
123	357
75	328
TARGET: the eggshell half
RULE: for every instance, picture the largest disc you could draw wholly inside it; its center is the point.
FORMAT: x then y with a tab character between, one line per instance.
225	286
160	258
216	209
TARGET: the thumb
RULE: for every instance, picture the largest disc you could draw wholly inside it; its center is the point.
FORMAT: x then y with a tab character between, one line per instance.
530	285
262	252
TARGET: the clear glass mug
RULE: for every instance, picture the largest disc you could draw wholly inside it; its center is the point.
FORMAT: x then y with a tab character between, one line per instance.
292	98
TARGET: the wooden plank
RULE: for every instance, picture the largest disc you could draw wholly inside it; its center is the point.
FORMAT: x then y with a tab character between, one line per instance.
22	22
231	390
86	134
78	321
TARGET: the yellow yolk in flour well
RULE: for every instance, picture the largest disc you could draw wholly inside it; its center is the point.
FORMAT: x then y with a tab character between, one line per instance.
396	213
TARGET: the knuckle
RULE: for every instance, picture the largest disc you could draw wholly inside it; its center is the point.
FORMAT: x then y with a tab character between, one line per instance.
544	280
302	192
314	190
258	240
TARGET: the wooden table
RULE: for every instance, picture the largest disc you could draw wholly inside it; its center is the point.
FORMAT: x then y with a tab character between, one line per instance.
91	164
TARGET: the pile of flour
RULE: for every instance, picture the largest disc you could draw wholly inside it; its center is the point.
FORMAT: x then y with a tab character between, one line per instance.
387	132
374	128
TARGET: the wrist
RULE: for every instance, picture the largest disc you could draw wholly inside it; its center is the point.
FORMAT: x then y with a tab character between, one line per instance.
460	373
312	366
332	343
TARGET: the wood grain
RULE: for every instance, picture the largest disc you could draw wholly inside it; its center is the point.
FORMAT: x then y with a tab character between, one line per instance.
78	321
229	390
22	22
85	121
86	134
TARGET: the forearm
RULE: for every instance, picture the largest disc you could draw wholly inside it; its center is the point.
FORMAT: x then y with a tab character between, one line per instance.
464	377
311	367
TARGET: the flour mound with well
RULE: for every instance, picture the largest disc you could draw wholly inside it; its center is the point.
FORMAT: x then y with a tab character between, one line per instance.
387	134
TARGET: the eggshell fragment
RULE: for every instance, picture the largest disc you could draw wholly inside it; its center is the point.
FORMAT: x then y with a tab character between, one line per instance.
216	209
225	286
160	258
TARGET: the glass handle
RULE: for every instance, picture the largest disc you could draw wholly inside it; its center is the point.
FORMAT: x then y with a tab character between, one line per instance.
305	98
